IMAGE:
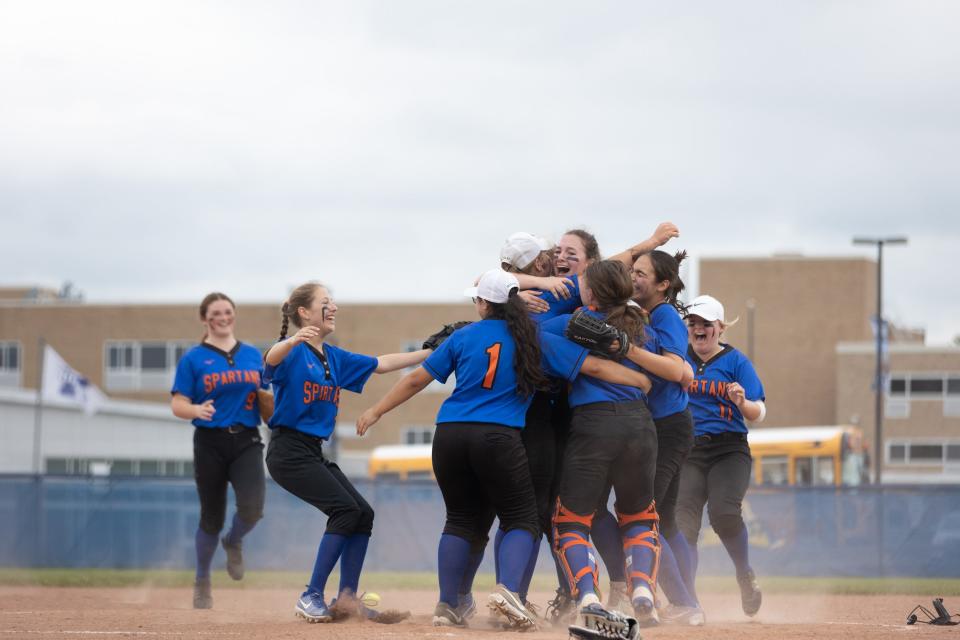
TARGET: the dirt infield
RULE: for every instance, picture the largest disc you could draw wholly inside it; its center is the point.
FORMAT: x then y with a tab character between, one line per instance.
144	612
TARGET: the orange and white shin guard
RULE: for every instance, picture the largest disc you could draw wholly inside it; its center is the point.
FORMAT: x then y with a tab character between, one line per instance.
571	546
641	547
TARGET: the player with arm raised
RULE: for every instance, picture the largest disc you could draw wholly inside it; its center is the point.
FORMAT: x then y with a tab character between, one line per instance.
612	441
308	375
478	454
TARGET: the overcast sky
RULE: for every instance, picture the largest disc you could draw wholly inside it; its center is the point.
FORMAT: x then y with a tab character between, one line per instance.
154	151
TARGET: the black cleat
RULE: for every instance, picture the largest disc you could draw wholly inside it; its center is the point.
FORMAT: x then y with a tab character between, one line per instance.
562	610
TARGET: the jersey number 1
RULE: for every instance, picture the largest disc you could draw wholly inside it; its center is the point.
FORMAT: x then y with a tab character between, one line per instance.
493	359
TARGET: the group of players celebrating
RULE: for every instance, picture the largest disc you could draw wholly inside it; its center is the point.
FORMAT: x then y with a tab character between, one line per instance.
580	377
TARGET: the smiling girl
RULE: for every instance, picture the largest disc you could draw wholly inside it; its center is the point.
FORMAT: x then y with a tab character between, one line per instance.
216	389
724	394
308	375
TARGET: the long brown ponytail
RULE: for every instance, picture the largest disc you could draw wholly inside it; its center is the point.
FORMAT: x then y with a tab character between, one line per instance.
612	288
667	267
526	360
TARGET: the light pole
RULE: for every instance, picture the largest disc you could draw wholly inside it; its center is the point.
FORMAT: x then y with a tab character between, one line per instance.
878	380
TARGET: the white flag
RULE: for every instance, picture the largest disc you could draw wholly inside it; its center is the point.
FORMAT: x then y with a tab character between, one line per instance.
63	383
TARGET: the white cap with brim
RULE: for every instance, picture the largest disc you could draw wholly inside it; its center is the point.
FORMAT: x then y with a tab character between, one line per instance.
494	286
522	248
707	307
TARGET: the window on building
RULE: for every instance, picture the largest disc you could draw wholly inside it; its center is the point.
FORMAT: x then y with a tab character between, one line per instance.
153	356
119	467
920	453
926	385
898	386
9	363
925	452
416	435
120	356
142	366
897	452
953	386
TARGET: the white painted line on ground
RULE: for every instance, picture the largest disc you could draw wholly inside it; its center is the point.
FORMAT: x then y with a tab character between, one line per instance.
871	624
87	632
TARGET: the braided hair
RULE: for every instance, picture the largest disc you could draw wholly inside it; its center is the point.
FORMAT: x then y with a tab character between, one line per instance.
302	296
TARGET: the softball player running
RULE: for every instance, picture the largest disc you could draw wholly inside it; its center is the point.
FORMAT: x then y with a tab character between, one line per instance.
478	454
215	387
612	439
308	376
725	392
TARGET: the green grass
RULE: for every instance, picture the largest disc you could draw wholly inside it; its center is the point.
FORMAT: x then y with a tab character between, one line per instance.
424	580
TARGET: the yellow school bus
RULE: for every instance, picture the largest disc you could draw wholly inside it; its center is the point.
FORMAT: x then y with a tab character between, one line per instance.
808	456
404	462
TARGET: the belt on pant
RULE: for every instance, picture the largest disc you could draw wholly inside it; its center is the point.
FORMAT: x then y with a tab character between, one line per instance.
236	428
728	436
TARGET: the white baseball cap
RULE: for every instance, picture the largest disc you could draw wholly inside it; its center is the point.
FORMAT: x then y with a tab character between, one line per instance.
707	307
522	248
493	286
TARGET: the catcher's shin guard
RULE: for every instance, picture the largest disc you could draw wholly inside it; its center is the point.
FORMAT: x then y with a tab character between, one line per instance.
641	546
571	546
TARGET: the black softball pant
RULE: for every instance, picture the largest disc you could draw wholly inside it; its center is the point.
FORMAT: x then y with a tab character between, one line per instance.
540	442
221	457
716	474
610	444
674	443
482	468
295	460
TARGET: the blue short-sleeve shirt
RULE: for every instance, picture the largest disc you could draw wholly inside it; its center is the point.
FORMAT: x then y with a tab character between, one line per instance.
229	378
307	385
666	334
482	356
712	411
587	389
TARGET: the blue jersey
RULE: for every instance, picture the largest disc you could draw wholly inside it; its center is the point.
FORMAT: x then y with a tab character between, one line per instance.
559	306
307	384
587	389
482	355
230	379
712	410
666	334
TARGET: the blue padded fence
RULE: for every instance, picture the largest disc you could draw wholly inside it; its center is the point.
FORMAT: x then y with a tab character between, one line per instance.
49	521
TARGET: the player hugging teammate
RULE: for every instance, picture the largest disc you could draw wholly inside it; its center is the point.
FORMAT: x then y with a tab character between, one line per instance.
573	383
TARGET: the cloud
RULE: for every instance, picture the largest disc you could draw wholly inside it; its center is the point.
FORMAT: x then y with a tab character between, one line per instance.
156	150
